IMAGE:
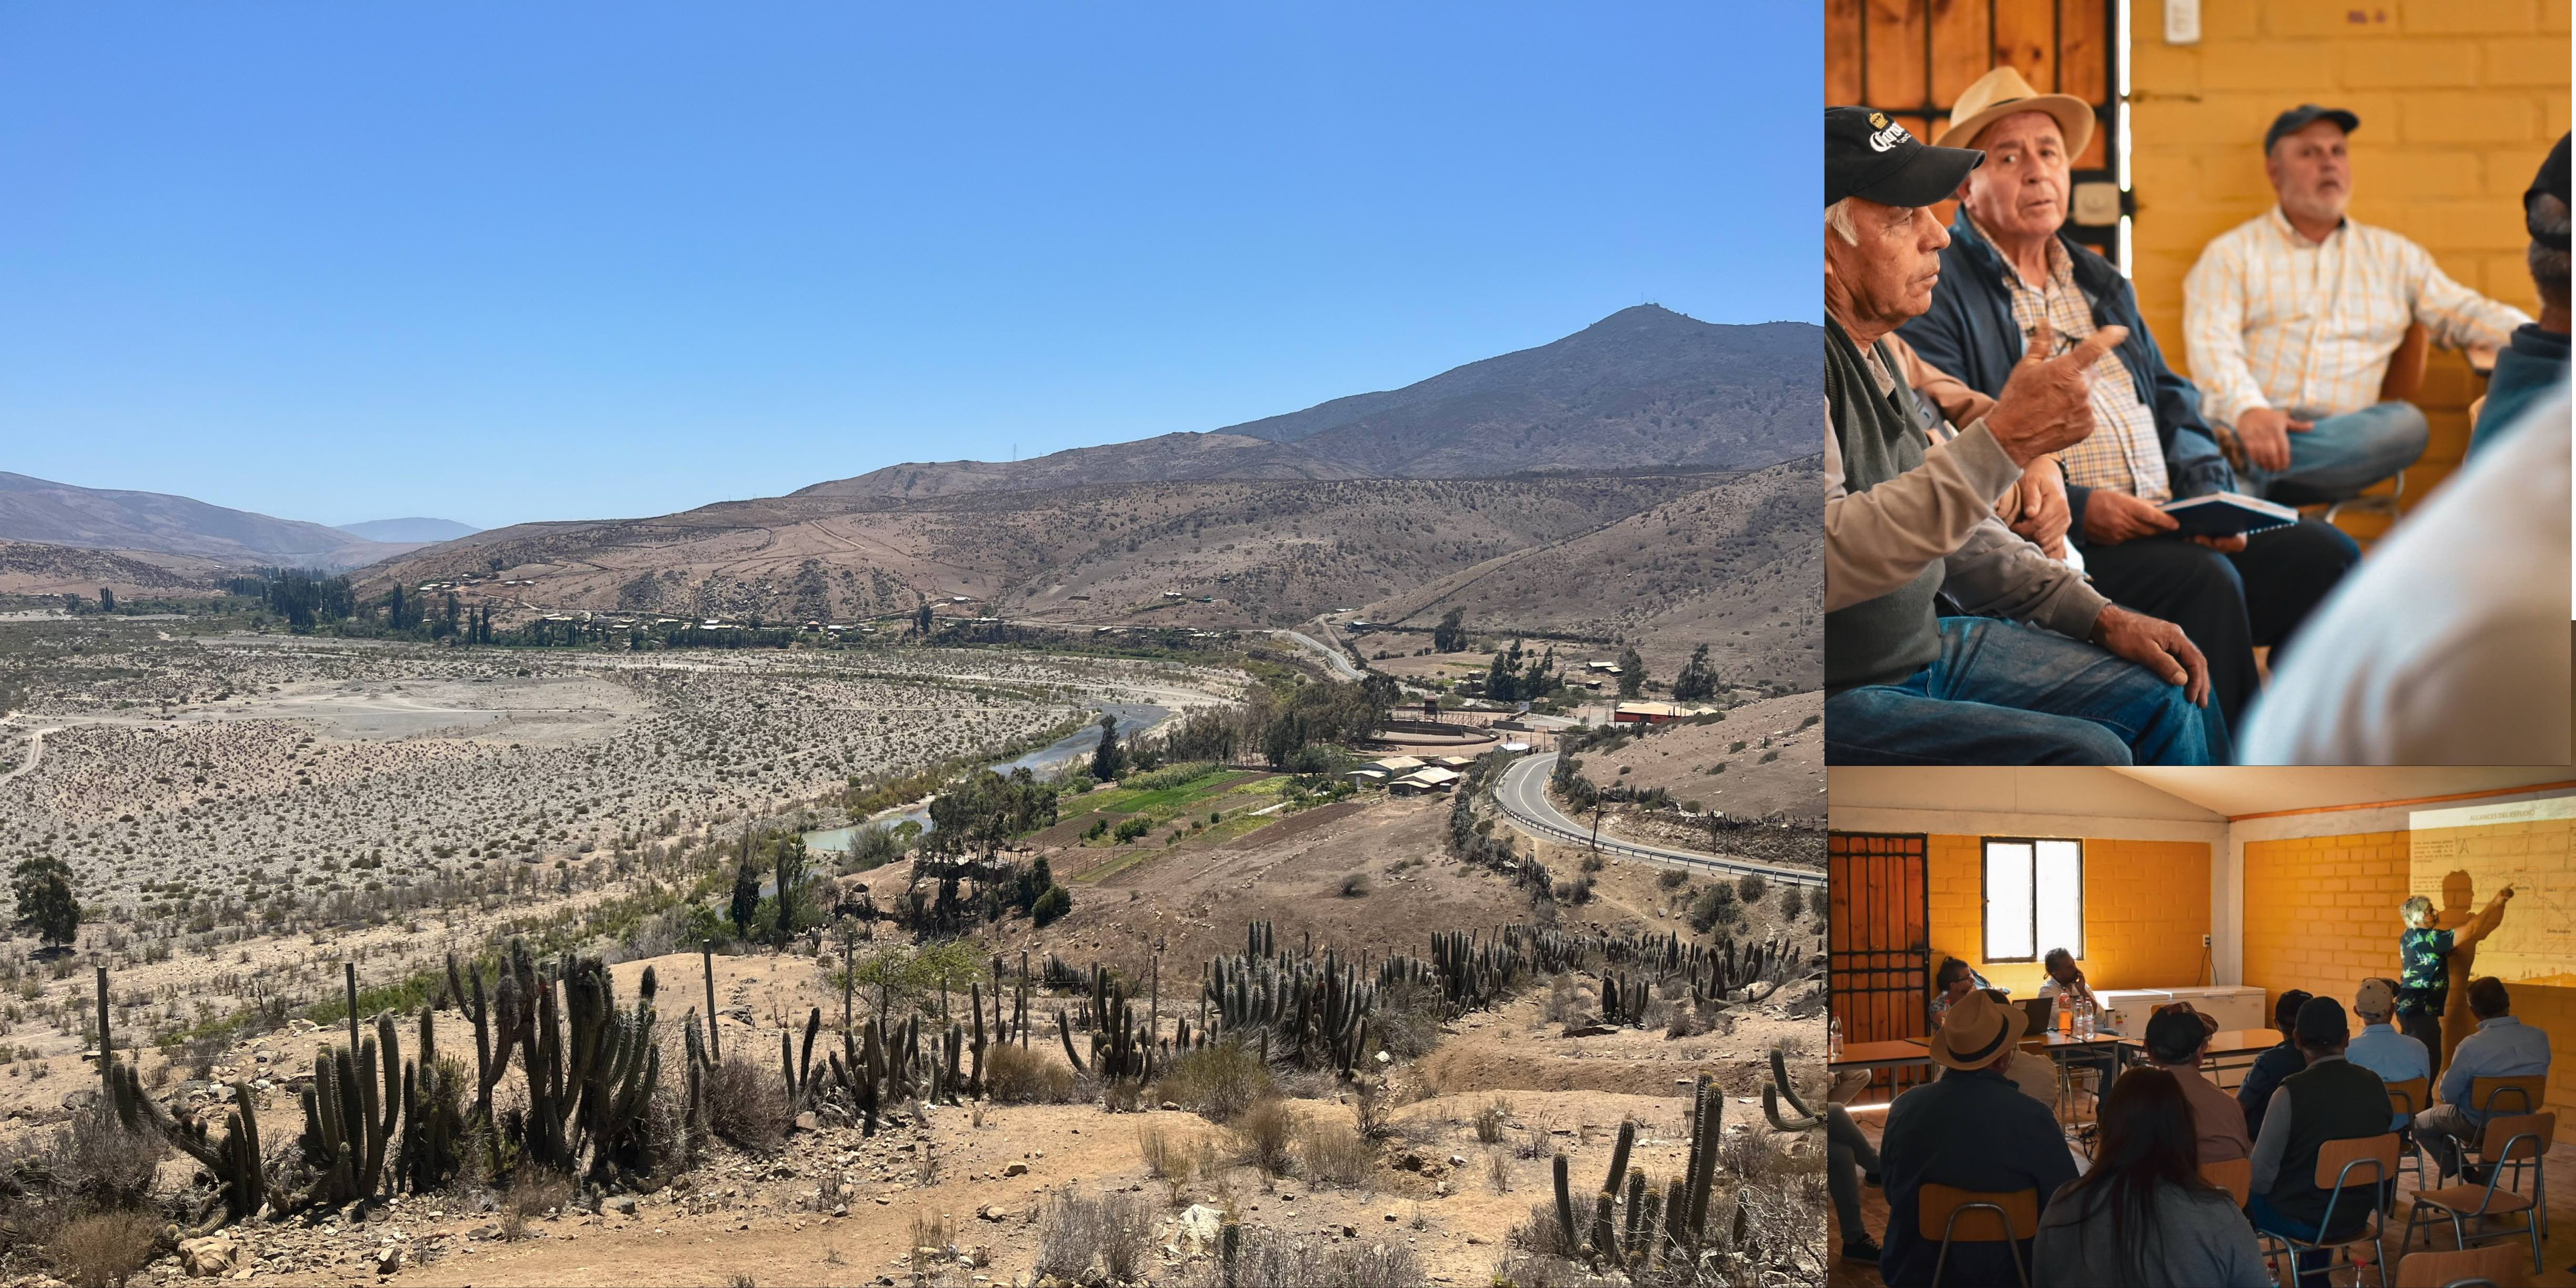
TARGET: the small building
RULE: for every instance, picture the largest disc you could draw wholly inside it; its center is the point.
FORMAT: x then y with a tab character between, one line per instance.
1398	764
1645	712
1366	776
1425	781
1605	668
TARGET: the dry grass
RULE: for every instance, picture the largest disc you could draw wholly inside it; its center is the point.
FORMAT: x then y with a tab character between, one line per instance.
1331	1153
99	1160
932	1236
1263	1135
1023	1076
747	1104
1219	1082
104	1249
1116	1230
1270	1259
1490	1119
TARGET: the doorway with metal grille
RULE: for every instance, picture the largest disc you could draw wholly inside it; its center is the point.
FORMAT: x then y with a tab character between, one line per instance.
1879	944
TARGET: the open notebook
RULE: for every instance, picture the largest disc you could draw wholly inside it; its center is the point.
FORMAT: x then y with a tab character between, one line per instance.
2225	514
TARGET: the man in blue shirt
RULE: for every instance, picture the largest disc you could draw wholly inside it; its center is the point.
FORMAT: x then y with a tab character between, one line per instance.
1974	1130
2254	1095
2380	1048
2503	1047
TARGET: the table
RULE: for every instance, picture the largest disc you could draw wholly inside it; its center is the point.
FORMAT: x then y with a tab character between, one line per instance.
1860	1056
2059	1048
2241	1045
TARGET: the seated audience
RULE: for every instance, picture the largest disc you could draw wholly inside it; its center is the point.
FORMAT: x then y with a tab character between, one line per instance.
2142	1215
2450	644
1849	1160
2290	319
2331	1099
2536	362
2503	1047
2380	1048
2178	1042
2279	1062
2011	273
2083	682
1974	1130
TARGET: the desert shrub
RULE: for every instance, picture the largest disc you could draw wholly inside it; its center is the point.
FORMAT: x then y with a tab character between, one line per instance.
747	1104
1541	1234
1169	776
1050	907
1263	1134
1355	886
1332	1153
1672	878
1271	1259
1715	906
1594	863
1166	1156
1219	1082
1793	902
1577	891
1489	1120
1371	1104
1132	828
1018	1075
1407	1021
104	1249
103	1162
933	1231
1752	886
1075	1230
1523	1270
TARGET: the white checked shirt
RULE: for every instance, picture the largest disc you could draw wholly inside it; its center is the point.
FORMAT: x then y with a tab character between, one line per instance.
2271	319
2123	453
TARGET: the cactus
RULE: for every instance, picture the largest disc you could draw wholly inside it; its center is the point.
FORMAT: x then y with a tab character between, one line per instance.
432	1122
1568	1237
344	1138
1779	1089
1640	1223
235	1161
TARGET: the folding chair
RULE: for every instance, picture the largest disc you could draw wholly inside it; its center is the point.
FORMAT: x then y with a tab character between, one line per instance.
2411	1097
2236	1176
2493	1265
2360	1164
2521	1094
1954	1215
2508	1139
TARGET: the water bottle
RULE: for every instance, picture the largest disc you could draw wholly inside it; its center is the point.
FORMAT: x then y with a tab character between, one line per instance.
2084	1020
1834	1038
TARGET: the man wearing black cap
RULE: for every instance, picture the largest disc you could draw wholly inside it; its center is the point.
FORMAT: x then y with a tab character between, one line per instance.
2536	362
2177	1041
2290	320
1904	523
2332	1099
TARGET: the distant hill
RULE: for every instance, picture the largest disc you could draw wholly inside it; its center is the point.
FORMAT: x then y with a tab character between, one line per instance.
1645	388
60	514
27	568
412	530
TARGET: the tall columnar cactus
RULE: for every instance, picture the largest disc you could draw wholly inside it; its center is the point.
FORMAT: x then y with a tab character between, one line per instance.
345	1126
1779	1089
1602	1231
432	1124
1568	1236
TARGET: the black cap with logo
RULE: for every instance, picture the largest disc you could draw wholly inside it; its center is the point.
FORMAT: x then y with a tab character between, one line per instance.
2305	114
1873	158
2551	181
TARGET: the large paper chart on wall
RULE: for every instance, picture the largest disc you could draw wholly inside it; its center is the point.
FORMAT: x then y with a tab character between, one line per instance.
2524	844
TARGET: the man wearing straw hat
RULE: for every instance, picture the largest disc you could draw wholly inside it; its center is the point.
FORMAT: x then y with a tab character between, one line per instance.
1973	1130
2010	274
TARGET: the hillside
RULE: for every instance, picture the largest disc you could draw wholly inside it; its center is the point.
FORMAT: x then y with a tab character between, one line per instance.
413	529
1264	553
1644	388
1736	564
27	568
33	509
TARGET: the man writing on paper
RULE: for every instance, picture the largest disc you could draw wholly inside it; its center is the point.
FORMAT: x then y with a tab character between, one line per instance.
1905	524
2010	272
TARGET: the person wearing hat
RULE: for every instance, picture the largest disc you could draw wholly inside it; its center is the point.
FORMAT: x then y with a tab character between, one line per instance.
2332	1099
1972	1129
2290	319
2083	682
2178	1042
2536	361
2380	1048
2011	273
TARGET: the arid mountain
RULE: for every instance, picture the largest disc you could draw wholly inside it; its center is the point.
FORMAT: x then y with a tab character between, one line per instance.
413	530
1737	565
60	514
1259	553
27	568
1644	388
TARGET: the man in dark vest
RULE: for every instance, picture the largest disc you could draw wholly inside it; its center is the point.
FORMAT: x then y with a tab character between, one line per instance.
2047	670
2332	1099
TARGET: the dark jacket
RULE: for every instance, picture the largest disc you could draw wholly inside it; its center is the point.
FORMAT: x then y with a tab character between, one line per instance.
1976	1131
2254	1094
2526	372
1970	333
2333	1100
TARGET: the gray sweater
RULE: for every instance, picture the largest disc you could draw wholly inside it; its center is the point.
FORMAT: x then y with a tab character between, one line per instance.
2203	1242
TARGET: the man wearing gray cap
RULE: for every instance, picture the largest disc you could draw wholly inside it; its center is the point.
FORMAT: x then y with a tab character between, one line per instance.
2290	320
2084	682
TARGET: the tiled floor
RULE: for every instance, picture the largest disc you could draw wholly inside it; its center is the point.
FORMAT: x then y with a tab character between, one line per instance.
2558	1248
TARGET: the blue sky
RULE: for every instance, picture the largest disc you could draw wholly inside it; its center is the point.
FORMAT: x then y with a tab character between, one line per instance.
509	262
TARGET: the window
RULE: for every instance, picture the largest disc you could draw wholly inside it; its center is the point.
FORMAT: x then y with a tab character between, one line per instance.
2034	898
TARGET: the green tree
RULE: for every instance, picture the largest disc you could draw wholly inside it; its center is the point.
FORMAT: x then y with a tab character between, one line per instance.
790	868
921	619
106	600
1108	759
1450	636
46	907
745	905
1632	672
1056	902
1697	680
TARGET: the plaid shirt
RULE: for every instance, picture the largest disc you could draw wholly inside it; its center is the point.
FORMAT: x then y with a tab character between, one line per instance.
2123	453
2271	319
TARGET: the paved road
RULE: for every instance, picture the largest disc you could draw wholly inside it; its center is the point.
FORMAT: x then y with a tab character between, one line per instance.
1523	797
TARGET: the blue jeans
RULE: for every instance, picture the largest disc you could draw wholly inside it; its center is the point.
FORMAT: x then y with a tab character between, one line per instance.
2005	694
2344	454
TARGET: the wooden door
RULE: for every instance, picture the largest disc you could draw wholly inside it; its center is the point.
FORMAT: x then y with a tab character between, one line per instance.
1878	941
1910	59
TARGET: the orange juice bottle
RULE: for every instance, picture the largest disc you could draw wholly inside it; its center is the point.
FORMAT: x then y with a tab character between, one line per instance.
2065	1017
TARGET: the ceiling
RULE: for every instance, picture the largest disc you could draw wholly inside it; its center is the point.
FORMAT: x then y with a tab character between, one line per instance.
2236	793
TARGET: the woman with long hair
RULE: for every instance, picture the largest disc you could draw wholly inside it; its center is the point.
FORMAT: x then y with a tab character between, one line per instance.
2142	1217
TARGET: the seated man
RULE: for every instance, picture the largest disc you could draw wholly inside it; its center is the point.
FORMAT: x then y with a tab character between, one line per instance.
2332	1099
2011	273
2178	1041
2290	318
2537	360
2380	1048
1951	984
2503	1047
2275	1064
1972	1130
1904	523
2066	980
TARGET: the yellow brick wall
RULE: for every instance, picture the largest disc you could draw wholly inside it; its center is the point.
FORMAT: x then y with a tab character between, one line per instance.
2321	914
2146	906
2459	101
